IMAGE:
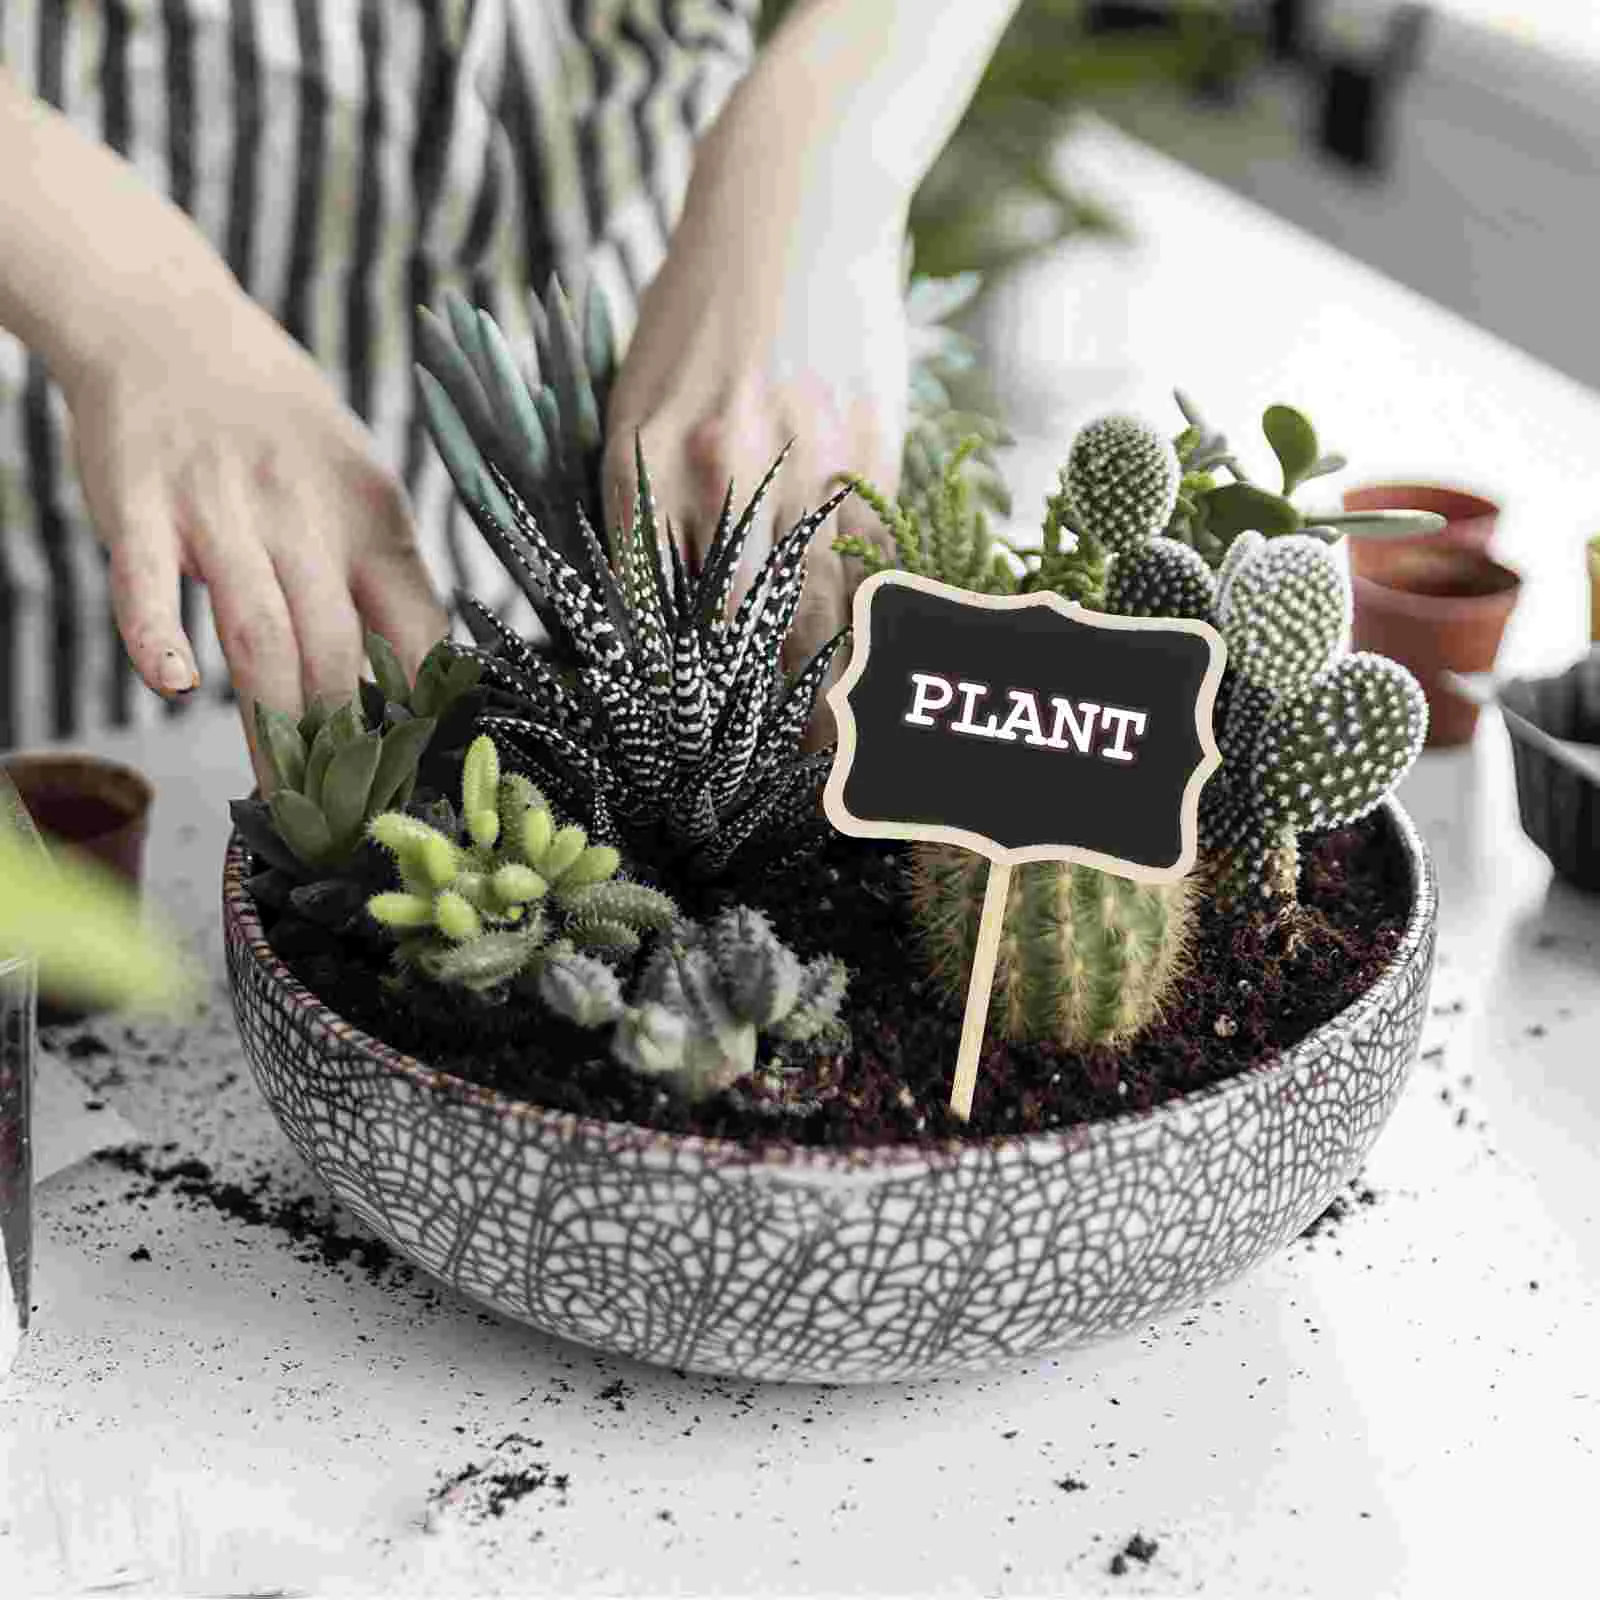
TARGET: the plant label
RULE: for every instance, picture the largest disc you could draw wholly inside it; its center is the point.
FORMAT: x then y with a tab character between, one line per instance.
1027	729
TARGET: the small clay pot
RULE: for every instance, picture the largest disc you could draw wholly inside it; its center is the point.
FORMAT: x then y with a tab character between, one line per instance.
96	807
1469	521
90	806
1437	607
1558	807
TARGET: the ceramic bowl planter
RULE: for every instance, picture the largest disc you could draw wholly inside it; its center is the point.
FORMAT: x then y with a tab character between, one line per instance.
824	1266
1437	608
1559	806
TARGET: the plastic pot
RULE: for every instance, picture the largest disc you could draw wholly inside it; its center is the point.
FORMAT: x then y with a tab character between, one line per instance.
1437	607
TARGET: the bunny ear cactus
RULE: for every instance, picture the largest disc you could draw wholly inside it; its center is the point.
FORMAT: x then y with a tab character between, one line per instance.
479	910
703	1000
1310	738
1086	958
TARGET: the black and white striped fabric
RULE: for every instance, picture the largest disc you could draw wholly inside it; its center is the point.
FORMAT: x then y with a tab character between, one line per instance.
350	159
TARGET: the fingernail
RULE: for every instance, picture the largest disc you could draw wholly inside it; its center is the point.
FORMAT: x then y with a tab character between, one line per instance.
176	675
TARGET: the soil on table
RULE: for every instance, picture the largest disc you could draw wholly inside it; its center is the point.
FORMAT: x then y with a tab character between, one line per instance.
1251	993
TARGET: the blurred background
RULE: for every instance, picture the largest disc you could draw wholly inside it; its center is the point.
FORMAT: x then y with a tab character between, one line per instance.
1453	145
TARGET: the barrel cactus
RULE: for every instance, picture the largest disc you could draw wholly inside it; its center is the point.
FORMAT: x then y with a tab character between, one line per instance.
1085	958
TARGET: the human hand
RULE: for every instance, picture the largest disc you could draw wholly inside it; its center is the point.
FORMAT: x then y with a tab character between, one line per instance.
209	444
778	314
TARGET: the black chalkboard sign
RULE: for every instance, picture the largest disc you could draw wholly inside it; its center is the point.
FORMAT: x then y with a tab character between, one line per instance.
1024	728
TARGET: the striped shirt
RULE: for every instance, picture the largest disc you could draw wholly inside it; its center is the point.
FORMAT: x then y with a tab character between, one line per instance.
350	160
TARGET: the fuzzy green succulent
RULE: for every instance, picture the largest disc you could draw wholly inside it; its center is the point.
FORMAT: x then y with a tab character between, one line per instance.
482	903
1086	958
703	999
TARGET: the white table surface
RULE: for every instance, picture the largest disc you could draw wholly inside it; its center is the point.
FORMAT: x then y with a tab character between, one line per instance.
1403	1405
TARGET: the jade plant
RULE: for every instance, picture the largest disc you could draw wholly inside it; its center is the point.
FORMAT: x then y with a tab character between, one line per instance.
488	900
703	999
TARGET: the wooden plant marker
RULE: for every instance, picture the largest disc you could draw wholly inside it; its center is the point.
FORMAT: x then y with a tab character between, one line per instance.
1024	728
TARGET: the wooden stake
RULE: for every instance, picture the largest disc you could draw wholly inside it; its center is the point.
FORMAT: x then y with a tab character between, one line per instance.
981	982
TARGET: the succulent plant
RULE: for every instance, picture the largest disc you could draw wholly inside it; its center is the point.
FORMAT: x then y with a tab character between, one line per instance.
1209	515
542	428
1160	578
1086	957
480	903
703	999
1121	480
1311	737
939	527
335	768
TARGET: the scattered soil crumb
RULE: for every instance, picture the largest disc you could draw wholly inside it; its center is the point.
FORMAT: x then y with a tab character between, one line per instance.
1327	1220
1139	1549
483	1490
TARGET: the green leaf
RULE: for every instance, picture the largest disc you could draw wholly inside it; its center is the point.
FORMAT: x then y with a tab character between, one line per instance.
317	713
302	825
322	749
346	787
386	669
425	694
253	819
462	675
278	735
1293	441
82	925
1383	524
403	746
1232	508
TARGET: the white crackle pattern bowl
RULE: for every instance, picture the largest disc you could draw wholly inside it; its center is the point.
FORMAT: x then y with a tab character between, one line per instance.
820	1265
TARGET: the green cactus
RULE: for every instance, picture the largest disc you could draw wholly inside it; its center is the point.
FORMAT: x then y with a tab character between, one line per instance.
510	889
1160	578
1324	755
1086	957
703	999
1122	479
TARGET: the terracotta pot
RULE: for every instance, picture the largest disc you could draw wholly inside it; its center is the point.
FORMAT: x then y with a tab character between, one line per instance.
1469	524
832	1266
97	807
89	805
1437	607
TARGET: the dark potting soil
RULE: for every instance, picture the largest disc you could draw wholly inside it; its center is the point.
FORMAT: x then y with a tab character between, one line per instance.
1250	993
